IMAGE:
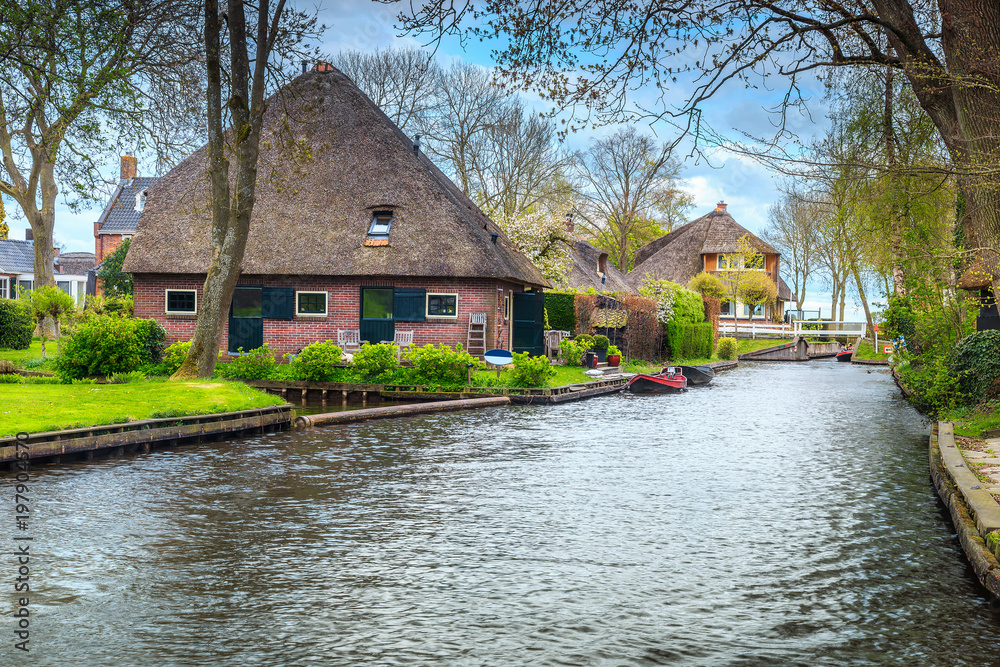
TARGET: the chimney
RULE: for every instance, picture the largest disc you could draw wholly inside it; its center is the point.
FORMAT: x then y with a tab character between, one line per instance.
570	226
305	66
28	235
55	252
416	144
128	168
720	207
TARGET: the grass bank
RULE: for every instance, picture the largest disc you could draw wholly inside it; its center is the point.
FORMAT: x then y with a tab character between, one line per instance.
864	351
51	407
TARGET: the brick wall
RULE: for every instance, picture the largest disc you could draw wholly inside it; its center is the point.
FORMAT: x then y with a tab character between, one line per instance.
476	295
105	245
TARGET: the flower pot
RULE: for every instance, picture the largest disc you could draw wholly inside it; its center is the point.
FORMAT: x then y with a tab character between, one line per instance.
590	359
614	360
602	355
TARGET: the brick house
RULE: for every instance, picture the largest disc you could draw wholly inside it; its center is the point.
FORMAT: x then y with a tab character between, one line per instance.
709	244
120	217
353	229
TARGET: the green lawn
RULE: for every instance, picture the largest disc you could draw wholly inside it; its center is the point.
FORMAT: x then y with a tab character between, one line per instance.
864	351
31	359
564	375
972	421
50	407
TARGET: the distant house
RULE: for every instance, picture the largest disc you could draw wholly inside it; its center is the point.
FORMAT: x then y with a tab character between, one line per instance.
120	217
17	269
363	233
590	267
709	244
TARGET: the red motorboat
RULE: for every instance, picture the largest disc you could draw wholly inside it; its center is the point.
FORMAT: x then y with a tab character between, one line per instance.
845	355
668	381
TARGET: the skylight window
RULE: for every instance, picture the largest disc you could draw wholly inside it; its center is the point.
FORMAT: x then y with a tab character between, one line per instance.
381	222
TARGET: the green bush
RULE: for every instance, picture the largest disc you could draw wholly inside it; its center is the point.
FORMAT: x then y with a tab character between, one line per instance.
103	345
561	310
126	378
257	364
571	352
441	365
156	339
586	340
10	379
688	307
530	371
934	387
975	363
112	279
317	362
16	324
601	342
376	362
689	340
173	357
899	319
726	348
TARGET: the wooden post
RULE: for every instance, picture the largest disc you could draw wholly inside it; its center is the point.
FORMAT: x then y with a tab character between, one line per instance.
323	395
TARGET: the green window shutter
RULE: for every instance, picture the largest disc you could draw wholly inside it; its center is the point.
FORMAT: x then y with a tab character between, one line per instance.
278	303
408	305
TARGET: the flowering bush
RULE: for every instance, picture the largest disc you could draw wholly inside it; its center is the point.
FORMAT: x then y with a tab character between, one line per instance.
673	302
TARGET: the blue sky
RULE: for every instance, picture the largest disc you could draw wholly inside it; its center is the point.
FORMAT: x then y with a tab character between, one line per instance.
746	186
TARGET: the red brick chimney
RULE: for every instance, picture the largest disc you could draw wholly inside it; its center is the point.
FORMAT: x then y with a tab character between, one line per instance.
128	167
720	207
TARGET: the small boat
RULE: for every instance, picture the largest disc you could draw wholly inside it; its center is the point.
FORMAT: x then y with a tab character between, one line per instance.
697	376
668	381
845	355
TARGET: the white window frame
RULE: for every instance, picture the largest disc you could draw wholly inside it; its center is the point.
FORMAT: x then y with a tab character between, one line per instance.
326	303
427	306
166	302
4	287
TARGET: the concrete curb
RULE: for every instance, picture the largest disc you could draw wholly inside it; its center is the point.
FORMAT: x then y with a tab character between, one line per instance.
398	411
974	512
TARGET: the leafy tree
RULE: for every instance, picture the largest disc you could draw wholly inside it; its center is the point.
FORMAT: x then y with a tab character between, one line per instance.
735	271
48	305
79	78
756	288
708	284
114	281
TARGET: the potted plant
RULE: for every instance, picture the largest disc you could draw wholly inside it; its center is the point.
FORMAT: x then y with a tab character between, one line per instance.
614	356
601	344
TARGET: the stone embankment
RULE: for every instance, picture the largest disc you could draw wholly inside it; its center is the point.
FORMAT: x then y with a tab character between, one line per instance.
974	510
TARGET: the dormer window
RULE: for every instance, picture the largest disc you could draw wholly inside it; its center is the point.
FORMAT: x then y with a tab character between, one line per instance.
140	200
381	222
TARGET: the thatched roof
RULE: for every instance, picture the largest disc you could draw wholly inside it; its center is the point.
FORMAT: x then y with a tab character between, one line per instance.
315	202
583	271
677	256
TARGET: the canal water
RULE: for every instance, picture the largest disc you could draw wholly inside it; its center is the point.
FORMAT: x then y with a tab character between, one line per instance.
782	516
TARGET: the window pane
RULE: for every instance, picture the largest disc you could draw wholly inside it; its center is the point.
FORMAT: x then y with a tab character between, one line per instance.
3	288
441	304
377	304
312	304
247	302
63	285
725	308
180	301
25	285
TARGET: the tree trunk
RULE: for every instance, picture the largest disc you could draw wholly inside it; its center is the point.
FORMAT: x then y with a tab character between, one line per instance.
864	300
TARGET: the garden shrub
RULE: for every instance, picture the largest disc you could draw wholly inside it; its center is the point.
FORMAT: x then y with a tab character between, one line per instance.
975	363
571	352
688	306
726	348
376	362
317	362
155	339
441	365
257	364
586	340
173	357
934	386
690	340
17	324
126	378
708	285
10	379
561	310
601	342
530	371
103	345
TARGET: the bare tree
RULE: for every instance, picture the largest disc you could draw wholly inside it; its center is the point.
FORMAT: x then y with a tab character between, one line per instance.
624	178
79	79
274	33
792	231
404	83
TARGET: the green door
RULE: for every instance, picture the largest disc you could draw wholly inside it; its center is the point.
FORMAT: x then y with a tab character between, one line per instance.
528	323
246	321
377	323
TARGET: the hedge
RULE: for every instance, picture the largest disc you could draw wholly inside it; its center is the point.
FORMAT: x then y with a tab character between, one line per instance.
16	324
690	340
561	311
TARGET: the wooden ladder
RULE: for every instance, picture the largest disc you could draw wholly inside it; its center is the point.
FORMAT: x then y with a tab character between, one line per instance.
476	343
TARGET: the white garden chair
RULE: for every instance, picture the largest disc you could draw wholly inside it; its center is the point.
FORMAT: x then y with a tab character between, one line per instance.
349	340
401	339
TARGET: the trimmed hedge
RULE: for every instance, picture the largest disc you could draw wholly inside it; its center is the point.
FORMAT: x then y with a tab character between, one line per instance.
689	340
16	324
561	310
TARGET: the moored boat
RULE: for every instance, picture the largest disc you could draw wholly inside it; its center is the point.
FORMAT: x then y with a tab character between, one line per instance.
845	355
697	376
669	381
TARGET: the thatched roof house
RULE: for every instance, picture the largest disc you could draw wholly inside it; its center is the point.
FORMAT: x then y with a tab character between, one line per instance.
591	267
704	245
344	202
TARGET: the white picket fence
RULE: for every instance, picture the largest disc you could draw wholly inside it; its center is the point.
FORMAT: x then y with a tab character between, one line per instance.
813	329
